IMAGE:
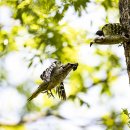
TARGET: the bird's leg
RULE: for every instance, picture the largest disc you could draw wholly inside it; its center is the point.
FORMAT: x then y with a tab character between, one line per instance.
46	91
51	94
120	44
58	91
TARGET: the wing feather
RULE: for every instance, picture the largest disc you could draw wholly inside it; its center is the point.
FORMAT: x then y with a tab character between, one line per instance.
46	75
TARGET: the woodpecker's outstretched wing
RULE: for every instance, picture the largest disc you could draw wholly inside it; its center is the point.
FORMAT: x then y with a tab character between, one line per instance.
46	75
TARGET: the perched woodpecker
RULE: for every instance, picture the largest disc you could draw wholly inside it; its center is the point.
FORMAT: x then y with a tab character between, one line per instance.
53	77
110	34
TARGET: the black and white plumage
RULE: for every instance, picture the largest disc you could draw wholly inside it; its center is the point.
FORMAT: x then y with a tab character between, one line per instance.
60	90
110	34
46	75
110	29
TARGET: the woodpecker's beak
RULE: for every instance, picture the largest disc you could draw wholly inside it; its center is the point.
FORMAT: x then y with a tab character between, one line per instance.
75	66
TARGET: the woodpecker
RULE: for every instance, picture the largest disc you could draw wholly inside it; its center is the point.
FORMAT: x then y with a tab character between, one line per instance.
110	34
53	77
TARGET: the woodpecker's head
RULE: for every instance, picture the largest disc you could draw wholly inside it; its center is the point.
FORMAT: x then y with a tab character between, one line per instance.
75	66
60	73
64	69
70	66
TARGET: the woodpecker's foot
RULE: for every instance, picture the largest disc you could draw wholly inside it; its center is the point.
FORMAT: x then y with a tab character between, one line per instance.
44	91
120	44
50	94
126	39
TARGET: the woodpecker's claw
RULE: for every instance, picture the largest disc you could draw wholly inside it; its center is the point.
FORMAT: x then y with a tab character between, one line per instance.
120	44
49	94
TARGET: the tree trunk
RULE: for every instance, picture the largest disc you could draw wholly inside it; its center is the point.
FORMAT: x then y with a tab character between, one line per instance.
124	9
127	55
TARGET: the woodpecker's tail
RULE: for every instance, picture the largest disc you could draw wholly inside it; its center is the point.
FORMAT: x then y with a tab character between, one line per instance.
42	87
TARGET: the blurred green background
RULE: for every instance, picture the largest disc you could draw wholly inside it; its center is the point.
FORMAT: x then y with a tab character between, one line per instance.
33	33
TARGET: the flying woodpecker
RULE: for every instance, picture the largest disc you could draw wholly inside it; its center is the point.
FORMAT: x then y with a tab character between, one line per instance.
53	77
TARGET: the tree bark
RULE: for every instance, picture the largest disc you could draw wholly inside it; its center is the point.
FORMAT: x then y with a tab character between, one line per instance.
124	9
127	55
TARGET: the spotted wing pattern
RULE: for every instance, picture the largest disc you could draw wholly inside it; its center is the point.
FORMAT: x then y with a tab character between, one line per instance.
47	73
112	29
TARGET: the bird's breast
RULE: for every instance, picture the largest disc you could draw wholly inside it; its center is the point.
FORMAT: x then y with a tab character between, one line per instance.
56	80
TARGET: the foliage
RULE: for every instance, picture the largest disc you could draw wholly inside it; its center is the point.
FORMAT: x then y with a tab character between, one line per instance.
44	34
113	121
127	114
